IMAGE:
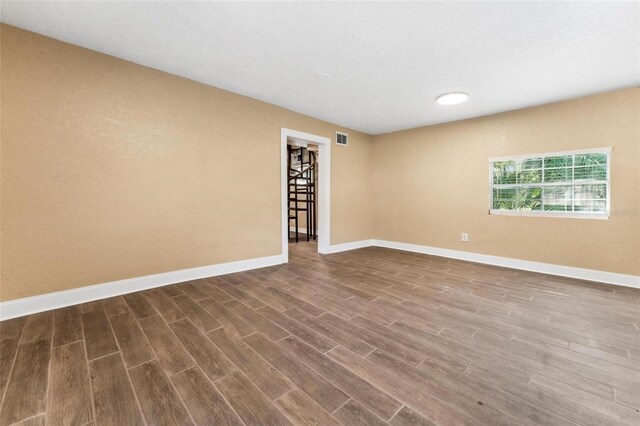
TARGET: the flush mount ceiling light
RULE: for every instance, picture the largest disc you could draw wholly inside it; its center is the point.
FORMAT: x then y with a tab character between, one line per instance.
452	98
324	75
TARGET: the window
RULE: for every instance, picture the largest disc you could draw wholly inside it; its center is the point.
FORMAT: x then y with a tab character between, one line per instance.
561	184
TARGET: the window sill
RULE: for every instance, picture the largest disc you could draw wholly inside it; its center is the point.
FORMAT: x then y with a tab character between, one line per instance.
566	215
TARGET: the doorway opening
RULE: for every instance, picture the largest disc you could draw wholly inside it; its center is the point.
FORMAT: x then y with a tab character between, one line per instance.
302	187
305	190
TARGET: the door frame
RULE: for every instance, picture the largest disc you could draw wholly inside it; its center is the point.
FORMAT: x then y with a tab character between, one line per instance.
324	189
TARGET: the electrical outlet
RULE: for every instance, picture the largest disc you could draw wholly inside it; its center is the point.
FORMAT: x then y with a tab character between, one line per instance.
465	237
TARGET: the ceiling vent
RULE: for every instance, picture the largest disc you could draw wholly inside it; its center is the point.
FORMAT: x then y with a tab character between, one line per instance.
342	138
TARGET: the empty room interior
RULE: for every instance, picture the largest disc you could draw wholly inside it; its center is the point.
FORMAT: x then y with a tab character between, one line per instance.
319	213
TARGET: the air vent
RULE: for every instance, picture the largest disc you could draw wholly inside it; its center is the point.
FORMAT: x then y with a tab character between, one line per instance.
342	138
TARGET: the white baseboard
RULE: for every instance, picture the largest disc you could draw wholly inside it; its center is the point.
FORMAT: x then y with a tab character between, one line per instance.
526	265
300	230
337	248
60	299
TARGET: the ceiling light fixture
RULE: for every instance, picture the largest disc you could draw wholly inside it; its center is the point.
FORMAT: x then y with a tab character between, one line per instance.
452	98
324	75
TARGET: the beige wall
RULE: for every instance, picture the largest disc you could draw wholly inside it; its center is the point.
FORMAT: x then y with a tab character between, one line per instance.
432	183
111	170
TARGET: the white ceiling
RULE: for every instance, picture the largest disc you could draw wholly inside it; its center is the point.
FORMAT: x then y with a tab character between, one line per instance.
387	61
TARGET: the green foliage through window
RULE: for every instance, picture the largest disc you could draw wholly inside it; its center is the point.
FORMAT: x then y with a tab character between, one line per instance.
553	183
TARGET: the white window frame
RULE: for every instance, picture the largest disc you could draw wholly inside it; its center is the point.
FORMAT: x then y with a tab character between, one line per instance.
542	213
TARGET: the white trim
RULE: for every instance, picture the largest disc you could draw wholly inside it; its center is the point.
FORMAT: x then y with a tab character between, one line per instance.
506	262
300	230
541	213
606	150
573	182
324	189
337	248
526	265
60	299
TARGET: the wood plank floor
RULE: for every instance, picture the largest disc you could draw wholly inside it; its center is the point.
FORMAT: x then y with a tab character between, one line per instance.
371	336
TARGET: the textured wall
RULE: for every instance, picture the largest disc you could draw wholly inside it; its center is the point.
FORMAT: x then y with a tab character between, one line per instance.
111	170
432	183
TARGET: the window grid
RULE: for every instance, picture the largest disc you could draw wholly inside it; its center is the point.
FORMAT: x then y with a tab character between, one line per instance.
514	180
